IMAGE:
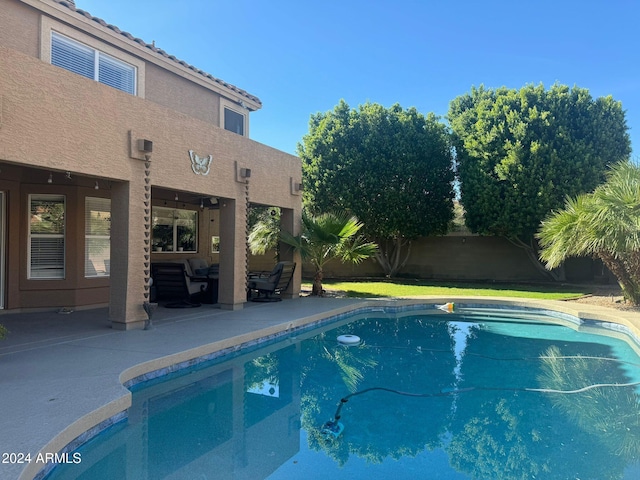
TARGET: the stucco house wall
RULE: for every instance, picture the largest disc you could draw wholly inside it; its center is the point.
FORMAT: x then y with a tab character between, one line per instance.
64	134
20	27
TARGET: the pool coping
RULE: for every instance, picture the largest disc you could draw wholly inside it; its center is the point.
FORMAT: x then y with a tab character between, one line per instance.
89	425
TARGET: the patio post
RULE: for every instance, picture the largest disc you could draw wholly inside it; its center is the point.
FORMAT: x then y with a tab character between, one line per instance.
290	221
233	275
127	287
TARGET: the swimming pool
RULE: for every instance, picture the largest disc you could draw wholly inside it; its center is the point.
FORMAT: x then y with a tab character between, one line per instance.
480	393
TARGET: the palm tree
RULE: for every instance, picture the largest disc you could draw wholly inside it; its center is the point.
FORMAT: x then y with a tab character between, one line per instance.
326	237
265	227
603	224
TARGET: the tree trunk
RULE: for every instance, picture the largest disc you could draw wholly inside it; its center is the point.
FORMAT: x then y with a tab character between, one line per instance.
557	274
626	279
390	255
316	289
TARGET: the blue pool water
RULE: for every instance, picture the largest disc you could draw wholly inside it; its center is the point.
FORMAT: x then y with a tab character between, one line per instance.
479	394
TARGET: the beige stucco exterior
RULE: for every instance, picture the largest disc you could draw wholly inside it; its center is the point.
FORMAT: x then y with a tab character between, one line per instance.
53	121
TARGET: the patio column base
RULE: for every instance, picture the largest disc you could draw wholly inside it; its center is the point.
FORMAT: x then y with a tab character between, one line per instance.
231	306
136	325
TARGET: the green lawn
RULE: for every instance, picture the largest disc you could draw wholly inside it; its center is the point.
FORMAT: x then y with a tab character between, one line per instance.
411	288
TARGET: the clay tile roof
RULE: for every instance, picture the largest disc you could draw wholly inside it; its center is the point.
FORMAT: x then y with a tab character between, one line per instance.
70	4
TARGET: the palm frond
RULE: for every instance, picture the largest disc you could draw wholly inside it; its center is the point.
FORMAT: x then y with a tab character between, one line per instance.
328	236
604	224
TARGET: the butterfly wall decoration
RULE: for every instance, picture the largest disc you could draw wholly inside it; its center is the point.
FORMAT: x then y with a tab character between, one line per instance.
200	165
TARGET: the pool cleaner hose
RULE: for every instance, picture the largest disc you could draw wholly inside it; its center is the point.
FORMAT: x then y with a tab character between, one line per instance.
332	429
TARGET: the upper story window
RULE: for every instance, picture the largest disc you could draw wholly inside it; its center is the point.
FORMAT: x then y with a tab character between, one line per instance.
234	118
91	63
233	121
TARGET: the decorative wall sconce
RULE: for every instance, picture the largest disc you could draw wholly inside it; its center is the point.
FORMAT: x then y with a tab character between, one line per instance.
68	175
296	186
139	148
96	186
145	146
242	173
50	179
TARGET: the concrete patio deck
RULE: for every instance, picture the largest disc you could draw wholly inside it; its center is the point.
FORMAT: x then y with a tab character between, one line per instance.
62	374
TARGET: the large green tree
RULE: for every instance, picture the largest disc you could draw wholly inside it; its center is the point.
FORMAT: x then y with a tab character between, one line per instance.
390	167
603	224
521	152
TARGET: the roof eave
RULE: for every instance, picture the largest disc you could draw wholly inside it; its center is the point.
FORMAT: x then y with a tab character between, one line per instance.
66	11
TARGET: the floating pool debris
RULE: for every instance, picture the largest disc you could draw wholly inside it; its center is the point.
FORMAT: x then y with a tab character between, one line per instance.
448	307
349	339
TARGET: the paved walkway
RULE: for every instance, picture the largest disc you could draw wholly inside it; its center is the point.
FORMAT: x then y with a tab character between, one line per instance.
58	371
61	374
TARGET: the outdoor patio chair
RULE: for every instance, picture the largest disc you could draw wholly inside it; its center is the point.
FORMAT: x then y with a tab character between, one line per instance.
277	281
172	283
200	268
200	271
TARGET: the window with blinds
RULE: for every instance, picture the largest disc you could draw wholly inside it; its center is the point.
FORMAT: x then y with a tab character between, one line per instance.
97	238
88	62
46	236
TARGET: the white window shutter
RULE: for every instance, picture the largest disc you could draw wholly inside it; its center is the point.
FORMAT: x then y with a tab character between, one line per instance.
116	74
72	56
88	62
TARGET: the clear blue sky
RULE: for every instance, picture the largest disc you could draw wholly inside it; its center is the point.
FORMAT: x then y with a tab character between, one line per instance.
301	57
